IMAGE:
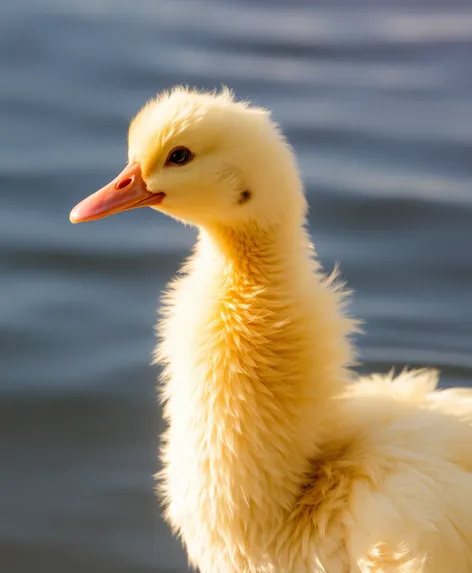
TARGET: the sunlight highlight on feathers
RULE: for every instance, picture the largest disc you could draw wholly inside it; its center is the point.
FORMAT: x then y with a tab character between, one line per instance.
276	459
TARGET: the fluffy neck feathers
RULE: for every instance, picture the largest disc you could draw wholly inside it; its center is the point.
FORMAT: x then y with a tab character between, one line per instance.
254	347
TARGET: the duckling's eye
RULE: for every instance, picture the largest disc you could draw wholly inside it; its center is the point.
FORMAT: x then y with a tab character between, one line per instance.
179	156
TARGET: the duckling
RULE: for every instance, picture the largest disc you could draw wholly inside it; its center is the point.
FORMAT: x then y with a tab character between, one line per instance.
276	458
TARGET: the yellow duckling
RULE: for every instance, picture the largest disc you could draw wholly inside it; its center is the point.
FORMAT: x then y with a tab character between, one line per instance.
275	459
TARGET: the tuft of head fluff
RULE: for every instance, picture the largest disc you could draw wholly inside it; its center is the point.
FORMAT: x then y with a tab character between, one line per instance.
274	460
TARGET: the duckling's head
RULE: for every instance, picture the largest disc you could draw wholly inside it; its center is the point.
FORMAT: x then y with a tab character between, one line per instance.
203	158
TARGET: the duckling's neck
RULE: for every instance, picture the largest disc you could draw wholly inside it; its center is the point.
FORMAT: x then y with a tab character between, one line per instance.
255	346
266	284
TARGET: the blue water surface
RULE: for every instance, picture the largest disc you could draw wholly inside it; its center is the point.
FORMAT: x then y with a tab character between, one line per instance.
375	97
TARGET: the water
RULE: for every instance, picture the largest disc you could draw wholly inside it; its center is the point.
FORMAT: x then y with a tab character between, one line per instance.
376	98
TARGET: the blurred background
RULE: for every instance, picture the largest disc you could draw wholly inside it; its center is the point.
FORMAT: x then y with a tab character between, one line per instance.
375	97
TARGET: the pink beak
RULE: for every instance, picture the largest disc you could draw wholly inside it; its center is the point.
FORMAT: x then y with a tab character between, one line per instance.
127	191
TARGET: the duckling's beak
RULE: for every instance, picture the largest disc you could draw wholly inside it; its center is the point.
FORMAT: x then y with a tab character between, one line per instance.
127	191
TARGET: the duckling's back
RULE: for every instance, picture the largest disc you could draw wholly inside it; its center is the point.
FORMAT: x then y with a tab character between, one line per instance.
409	453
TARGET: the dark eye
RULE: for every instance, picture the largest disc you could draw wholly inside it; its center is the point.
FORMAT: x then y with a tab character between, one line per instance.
179	156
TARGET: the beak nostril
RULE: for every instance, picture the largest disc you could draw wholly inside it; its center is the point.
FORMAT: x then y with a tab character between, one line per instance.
123	183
